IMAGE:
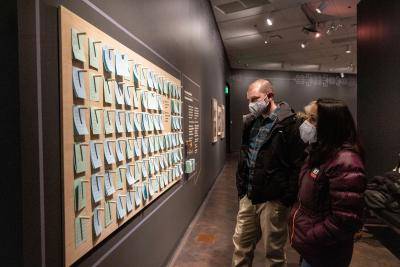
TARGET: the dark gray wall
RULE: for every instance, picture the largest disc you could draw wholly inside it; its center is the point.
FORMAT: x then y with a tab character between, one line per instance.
178	35
10	184
296	88
378	82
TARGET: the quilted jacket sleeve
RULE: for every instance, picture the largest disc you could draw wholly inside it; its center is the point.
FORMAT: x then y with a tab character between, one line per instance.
346	187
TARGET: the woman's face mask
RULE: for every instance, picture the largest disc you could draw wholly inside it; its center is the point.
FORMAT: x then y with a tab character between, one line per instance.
308	132
258	107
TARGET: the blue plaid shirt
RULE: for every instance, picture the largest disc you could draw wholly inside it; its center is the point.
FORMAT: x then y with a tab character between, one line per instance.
258	134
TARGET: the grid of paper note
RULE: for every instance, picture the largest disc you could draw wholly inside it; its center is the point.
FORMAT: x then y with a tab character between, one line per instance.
128	141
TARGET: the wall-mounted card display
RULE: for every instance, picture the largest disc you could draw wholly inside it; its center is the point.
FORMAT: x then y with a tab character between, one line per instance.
122	133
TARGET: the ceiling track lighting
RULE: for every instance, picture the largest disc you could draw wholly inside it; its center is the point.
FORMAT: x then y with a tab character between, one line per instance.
348	49
321	7
268	20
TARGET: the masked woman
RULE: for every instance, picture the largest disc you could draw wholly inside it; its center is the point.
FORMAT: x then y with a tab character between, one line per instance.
331	186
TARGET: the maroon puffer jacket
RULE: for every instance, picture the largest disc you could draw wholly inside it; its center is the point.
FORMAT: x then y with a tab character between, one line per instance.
329	210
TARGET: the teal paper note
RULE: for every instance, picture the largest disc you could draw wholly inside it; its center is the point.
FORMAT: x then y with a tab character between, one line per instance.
119	93
93	54
128	122
129	149
95	154
165	178
94	86
80	120
145	146
107	91
119	150
118	121
78	83
108	184
151	166
156	165
97	228
145	100
120	178
135	99
150	188
151	144
145	169
155	80
161	162
149	80
129	201
137	143
138	170
127	95
156	143
80	231
108	152
129	175
95	120
161	182
121	212
161	141
138	196
145	192
121	64
137	121
79	194
108	59
96	186
107	213
108	124
77	40
79	158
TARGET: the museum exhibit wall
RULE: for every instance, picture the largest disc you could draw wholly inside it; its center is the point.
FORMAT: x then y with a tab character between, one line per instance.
296	88
378	83
179	36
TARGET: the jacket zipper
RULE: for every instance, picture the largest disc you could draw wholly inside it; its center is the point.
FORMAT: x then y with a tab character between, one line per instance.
294	218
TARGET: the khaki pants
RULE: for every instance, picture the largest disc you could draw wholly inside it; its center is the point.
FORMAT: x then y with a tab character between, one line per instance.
266	221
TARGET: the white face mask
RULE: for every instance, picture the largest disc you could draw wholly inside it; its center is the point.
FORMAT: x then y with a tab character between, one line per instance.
308	132
256	108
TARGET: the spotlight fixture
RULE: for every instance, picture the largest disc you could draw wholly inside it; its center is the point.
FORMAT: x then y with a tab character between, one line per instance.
267	39
303	45
348	49
321	7
313	29
341	75
269	21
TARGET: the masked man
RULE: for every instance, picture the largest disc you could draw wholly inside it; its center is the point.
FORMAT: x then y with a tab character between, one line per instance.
271	155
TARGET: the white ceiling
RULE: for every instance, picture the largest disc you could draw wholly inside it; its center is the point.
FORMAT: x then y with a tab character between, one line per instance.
244	30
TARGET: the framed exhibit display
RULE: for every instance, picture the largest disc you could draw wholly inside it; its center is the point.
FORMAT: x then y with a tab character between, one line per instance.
219	120
222	122
214	119
122	139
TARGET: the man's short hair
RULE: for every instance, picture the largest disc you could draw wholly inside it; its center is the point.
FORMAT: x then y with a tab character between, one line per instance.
263	85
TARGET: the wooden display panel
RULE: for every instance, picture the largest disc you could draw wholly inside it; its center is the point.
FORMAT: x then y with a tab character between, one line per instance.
68	22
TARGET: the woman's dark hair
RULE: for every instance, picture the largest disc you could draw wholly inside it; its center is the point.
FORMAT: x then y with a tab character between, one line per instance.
335	130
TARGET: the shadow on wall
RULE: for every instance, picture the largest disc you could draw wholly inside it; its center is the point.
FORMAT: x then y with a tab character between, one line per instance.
296	88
